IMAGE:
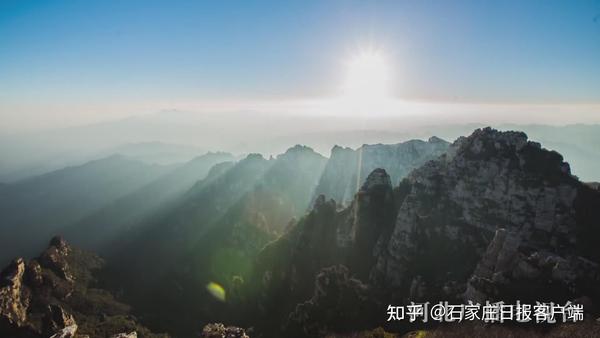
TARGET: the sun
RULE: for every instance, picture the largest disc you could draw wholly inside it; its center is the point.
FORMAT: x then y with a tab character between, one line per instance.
367	76
366	88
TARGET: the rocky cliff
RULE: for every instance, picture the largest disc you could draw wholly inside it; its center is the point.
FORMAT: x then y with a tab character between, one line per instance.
53	296
499	217
310	278
496	218
347	168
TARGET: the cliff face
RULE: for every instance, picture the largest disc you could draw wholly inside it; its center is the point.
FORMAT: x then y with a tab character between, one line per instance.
499	208
343	240
496	218
347	169
53	296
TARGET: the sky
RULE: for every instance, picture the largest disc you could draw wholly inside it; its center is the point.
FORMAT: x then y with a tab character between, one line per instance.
75	62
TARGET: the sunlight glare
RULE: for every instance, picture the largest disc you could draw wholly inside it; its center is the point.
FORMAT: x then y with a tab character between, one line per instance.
367	76
366	85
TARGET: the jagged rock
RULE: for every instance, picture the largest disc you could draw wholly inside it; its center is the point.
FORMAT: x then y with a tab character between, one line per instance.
499	255
347	169
372	206
452	208
506	264
496	218
320	201
37	301
377	178
66	332
54	258
337	303
371	216
61	245
14	297
34	274
125	335
218	330
57	319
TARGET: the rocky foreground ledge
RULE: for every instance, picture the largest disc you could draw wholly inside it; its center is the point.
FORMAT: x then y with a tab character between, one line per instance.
52	296
218	330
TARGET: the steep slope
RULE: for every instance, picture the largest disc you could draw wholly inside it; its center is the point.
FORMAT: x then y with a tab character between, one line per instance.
214	232
287	269
55	294
104	226
497	218
499	190
282	194
32	210
347	169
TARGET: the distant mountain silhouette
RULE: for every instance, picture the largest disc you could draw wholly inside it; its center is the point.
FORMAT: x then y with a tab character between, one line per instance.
34	209
347	169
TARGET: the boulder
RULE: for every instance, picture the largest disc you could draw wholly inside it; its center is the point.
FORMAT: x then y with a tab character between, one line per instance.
56	320
218	330
14	296
66	332
125	335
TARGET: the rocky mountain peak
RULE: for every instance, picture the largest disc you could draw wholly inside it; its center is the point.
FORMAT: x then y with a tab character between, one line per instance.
338	149
377	179
300	153
254	157
13	297
347	169
298	148
320	201
514	149
435	139
499	139
55	258
60	244
48	296
453	207
495	218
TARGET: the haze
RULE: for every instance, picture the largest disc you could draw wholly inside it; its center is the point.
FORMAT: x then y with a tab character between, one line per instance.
80	80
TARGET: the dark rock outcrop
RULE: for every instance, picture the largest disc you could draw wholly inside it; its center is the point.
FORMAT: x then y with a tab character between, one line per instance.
339	303
498	208
57	319
52	296
286	269
14	297
218	330
125	335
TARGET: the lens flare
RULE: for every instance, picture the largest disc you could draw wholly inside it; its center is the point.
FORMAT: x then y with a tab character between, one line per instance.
216	291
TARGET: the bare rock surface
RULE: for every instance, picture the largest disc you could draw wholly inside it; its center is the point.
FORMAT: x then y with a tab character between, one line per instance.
53	296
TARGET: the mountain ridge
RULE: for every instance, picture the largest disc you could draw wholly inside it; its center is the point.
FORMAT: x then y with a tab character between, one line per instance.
451	215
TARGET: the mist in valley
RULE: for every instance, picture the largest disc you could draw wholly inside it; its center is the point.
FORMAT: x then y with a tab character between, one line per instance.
278	169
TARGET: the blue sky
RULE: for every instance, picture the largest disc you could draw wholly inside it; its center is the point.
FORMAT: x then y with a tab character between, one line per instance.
59	52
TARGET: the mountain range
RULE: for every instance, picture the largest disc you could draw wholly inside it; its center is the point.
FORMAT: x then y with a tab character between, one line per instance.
170	137
300	245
